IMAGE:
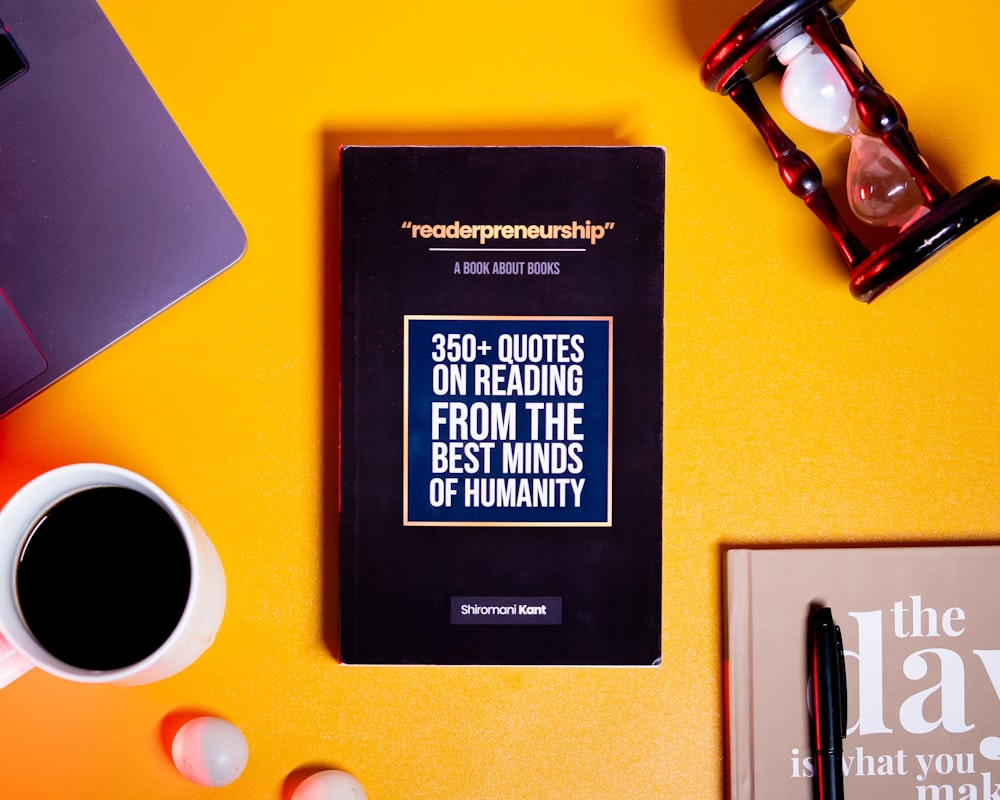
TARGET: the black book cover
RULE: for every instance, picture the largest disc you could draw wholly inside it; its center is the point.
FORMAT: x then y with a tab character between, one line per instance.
501	405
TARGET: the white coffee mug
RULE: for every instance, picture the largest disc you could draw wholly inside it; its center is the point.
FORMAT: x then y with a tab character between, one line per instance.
28	521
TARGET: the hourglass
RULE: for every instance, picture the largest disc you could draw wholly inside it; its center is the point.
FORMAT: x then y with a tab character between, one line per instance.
826	86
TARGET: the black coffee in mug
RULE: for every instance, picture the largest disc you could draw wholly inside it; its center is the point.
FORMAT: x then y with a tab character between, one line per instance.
103	578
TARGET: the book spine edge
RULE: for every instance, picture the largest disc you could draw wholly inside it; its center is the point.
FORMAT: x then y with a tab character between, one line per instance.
738	676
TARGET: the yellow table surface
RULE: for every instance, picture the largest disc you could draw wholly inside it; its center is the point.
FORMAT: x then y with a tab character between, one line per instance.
792	413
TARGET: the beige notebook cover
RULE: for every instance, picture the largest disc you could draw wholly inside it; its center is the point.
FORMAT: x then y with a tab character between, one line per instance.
921	631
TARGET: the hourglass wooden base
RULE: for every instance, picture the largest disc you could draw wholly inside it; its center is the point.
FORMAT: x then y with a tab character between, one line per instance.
918	243
746	52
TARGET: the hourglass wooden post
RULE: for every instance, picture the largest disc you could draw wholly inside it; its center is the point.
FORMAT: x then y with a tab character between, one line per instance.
826	86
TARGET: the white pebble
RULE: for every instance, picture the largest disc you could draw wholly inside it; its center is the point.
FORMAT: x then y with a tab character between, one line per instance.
210	751
330	784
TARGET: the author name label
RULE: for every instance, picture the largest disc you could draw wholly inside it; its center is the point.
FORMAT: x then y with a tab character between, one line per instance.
506	610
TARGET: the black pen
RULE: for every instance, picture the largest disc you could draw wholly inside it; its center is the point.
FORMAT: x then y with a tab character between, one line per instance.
828	693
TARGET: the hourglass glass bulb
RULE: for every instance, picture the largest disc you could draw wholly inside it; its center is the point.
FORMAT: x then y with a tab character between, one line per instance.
812	90
880	190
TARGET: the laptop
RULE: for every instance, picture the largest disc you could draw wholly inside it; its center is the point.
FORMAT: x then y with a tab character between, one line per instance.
106	215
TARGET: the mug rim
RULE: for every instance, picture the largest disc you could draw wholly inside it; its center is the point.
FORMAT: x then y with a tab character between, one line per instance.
26	506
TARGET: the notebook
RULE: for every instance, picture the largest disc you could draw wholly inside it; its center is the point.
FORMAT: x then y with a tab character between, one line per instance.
106	215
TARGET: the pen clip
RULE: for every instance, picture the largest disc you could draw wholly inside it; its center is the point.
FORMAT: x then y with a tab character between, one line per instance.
842	670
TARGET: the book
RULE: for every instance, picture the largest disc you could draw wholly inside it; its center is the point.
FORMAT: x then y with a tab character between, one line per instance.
501	405
921	638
